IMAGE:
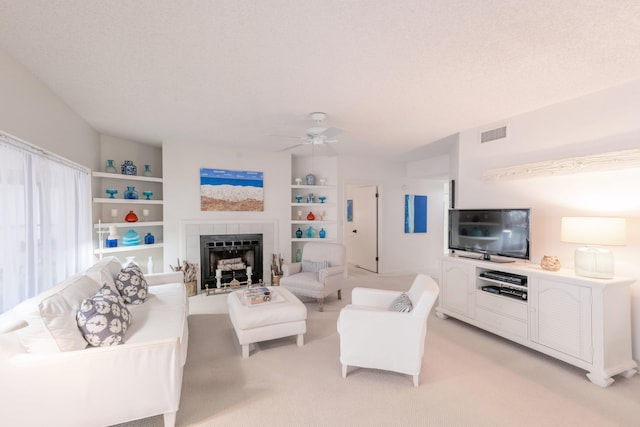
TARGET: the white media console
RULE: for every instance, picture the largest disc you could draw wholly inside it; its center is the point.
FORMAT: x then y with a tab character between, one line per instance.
582	321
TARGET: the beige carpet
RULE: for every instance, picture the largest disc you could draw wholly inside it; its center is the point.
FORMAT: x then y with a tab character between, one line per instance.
469	378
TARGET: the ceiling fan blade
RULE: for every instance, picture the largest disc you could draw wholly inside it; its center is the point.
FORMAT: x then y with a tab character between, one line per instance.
287	136
292	147
331	132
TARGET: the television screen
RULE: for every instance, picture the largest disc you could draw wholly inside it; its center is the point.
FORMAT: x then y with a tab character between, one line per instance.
499	232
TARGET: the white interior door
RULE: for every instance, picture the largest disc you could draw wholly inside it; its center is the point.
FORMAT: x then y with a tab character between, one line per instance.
363	231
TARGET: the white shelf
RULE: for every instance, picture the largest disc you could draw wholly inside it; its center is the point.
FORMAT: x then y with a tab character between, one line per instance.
312	239
127	248
304	221
306	187
126	177
128	224
313	204
127	201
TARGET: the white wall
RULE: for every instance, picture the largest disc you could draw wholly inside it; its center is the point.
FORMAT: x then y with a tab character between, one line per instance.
601	122
181	171
30	111
399	252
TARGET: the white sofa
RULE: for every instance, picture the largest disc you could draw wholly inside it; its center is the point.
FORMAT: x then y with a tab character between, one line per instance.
42	385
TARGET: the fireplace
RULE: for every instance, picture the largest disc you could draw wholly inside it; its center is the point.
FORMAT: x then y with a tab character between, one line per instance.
229	255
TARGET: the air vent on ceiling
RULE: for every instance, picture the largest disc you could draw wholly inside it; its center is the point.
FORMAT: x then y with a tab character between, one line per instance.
493	134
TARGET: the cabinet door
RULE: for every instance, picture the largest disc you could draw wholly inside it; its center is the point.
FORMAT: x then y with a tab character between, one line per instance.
561	317
458	288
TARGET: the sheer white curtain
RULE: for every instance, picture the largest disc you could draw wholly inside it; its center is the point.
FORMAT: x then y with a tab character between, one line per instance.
45	223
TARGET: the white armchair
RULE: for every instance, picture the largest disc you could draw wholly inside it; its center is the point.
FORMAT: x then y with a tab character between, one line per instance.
309	278
372	336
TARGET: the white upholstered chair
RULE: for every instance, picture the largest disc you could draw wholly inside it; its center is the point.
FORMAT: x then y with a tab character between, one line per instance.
373	336
310	278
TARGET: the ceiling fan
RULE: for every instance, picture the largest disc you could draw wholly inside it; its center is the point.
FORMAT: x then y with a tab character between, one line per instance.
317	135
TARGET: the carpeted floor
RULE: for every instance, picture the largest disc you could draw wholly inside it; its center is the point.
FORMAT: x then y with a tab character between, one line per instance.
469	378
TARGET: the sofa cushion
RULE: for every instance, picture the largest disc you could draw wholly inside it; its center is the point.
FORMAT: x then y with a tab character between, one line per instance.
52	326
131	284
105	271
401	303
313	266
104	318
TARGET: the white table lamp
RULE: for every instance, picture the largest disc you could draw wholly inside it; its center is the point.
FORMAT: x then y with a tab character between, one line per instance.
593	260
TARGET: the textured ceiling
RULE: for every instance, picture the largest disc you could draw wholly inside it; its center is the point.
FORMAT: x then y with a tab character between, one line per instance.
395	75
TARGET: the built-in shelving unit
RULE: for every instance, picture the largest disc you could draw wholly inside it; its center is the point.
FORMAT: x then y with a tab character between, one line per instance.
106	206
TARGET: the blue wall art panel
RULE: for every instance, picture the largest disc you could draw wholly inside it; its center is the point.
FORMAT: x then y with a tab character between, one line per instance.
229	190
415	214
349	210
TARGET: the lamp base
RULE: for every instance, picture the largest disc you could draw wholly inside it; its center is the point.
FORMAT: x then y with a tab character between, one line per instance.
593	261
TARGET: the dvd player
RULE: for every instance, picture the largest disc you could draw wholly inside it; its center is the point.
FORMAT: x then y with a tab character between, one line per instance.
510	292
501	276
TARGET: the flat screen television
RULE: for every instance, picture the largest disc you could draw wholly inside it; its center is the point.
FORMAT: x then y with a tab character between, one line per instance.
503	233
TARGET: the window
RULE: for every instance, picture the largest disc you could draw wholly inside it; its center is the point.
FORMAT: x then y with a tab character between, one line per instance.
45	224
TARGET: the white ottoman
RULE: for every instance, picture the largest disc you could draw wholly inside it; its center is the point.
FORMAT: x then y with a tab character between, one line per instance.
282	317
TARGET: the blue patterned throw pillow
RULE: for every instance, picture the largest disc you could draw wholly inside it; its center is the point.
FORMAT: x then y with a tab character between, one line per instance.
401	303
103	318
132	285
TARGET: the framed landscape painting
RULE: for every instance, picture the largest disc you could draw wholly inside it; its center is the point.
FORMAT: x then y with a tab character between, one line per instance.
231	190
415	214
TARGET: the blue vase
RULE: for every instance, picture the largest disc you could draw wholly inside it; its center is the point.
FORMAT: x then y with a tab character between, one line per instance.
149	239
131	238
310	179
128	168
298	233
131	193
322	233
310	232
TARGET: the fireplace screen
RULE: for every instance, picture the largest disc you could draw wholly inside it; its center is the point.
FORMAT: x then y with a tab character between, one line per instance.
230	257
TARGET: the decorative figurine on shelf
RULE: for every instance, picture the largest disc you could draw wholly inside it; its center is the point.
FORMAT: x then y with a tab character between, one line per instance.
550	262
299	215
128	168
310	216
299	255
147	171
147	194
145	214
111	192
298	198
322	233
323	181
114	215
310	232
310	198
322	199
298	181
298	233
110	168
112	239
311	179
131	238
131	193
149	239
131	217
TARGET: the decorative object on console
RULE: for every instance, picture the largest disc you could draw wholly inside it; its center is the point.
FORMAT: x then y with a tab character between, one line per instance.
128	168
550	262
149	239
131	193
310	216
147	171
147	194
111	192
131	217
591	260
298	233
131	238
110	168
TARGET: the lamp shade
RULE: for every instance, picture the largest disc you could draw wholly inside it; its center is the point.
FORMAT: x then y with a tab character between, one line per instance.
606	231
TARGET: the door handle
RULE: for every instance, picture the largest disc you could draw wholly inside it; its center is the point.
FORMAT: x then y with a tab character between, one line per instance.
354	231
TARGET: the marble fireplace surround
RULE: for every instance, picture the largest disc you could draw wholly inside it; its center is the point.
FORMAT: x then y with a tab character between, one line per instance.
192	230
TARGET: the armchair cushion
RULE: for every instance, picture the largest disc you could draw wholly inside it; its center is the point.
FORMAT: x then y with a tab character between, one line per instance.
402	304
313	266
